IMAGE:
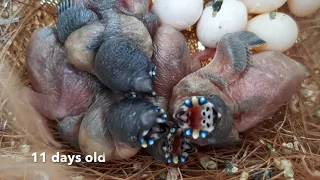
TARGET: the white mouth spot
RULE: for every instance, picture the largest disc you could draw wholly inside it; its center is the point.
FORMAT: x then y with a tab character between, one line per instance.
185	126
168	148
164	148
194	101
144	145
184	117
175	160
208	114
145	133
184	146
159	120
184	108
208	117
195	133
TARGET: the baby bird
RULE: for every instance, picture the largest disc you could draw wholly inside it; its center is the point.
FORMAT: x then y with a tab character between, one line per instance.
237	90
90	116
120	129
83	44
117	49
173	62
120	64
58	89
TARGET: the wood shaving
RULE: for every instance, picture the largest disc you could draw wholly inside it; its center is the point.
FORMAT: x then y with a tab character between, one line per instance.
76	177
208	163
173	174
244	175
25	148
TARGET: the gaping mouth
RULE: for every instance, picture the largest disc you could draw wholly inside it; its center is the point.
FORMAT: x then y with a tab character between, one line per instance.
197	117
158	131
177	148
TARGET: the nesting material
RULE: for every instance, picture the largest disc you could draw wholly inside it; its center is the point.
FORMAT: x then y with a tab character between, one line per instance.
318	113
286	166
267	174
244	175
137	166
25	148
231	168
76	177
173	174
3	124
208	163
40	175
289	145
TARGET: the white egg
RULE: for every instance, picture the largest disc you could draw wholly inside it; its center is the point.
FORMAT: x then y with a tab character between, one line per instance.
279	30
180	14
303	8
232	17
262	6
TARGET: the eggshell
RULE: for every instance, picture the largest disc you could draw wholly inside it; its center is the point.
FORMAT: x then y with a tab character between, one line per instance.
262	6
303	8
279	30
180	14
232	17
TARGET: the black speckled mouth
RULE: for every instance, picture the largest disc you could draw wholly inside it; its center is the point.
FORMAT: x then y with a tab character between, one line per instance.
177	148
197	117
148	137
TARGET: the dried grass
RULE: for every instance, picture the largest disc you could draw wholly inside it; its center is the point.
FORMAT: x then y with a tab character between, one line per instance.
297	122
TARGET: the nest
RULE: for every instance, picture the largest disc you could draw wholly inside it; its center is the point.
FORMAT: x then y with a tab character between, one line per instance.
287	144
